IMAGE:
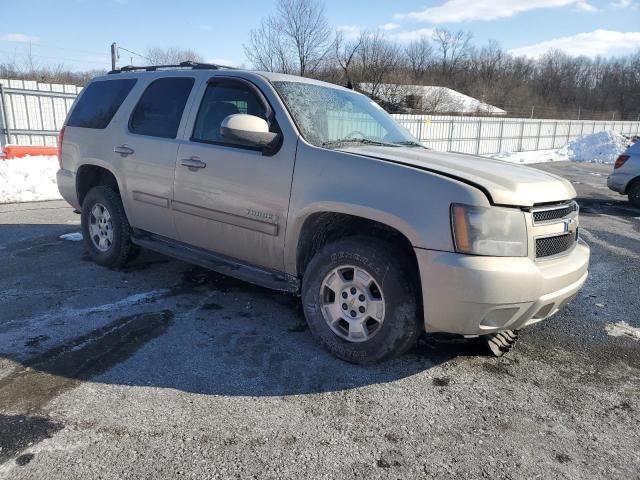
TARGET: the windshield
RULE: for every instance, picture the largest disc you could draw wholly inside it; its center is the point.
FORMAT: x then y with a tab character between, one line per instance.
330	117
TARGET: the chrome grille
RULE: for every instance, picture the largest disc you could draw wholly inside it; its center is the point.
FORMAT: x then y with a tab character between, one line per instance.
551	246
543	215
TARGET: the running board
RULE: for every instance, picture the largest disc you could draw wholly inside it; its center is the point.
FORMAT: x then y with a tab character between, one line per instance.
218	263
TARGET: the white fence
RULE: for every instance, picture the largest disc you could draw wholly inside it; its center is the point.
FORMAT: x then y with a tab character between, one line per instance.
482	135
32	113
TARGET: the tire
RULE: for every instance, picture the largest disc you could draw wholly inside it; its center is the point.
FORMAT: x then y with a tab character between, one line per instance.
117	251
390	272
634	194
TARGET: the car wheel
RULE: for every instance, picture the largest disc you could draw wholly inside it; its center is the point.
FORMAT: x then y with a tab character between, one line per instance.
105	228
634	194
360	300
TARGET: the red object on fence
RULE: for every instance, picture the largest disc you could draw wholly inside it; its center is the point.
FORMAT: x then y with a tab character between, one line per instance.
17	151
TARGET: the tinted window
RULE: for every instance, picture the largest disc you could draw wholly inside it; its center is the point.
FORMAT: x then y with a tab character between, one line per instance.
159	111
221	100
100	102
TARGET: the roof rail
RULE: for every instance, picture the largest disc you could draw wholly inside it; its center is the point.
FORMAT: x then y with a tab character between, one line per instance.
189	64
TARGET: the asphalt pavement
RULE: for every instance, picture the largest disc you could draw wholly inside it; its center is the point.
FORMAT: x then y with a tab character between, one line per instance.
165	370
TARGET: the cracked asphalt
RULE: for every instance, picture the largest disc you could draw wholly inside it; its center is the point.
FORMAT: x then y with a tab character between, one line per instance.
165	370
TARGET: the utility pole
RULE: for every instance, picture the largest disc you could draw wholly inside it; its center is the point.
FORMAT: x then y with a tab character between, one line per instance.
114	55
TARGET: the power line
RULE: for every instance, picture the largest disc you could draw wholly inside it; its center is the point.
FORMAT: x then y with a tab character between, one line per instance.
43	45
76	60
134	53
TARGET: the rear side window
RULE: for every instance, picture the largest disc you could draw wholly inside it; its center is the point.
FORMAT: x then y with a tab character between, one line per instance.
100	102
160	108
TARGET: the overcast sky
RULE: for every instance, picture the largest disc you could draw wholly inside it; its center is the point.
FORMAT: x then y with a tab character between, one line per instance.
77	33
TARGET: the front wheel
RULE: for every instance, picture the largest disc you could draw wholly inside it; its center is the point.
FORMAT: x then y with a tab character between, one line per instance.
360	300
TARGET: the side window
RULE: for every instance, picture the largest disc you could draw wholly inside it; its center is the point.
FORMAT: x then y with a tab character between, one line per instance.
100	102
221	99
160	108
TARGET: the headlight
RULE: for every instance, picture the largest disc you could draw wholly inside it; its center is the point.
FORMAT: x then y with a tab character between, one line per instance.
493	231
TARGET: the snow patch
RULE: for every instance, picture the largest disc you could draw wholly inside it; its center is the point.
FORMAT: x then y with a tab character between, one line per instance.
73	237
535	156
600	147
29	179
623	329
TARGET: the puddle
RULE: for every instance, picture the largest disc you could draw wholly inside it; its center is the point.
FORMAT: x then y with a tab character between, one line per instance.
46	376
18	432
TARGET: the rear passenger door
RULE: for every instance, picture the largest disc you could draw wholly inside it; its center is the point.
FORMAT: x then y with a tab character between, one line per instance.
229	198
147	145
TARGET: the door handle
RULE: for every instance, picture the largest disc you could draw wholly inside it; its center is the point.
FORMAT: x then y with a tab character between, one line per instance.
193	162
123	150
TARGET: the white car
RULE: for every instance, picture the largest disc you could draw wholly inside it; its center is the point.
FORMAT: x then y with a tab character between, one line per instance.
625	178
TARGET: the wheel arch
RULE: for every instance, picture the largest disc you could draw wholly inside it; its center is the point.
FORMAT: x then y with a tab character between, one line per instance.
322	227
90	175
634	181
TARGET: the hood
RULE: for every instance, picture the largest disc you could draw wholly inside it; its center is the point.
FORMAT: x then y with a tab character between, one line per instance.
505	183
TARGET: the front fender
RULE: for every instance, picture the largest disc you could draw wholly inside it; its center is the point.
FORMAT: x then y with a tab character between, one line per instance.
414	202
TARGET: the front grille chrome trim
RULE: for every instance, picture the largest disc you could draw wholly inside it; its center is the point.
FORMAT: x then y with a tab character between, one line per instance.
554	213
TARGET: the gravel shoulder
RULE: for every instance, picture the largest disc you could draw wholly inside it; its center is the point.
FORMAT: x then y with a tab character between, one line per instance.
166	370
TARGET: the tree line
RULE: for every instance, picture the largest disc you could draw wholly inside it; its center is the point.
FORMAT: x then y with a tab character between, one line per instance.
297	39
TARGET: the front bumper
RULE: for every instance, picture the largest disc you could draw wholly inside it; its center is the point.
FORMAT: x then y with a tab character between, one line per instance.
473	295
66	180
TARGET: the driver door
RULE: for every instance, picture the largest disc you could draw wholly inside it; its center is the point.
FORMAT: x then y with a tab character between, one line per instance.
229	198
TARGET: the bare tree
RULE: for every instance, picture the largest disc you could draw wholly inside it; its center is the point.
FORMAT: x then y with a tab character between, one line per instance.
439	100
267	48
345	54
420	56
171	55
398	96
305	25
377	59
296	38
453	48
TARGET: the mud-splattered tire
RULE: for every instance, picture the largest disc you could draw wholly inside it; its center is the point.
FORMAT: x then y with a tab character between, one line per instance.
634	194
351	282
105	228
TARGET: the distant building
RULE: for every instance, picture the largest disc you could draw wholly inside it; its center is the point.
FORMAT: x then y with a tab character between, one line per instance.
427	99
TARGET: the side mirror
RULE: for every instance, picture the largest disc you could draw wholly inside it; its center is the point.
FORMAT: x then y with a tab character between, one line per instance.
251	131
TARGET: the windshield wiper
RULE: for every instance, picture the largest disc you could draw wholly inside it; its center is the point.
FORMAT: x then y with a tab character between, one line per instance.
409	143
359	141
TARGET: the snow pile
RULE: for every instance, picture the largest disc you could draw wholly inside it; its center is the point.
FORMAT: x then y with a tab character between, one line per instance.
28	179
432	99
601	147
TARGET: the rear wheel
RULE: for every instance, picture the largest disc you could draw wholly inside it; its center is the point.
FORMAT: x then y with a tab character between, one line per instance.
360	301
105	228
634	194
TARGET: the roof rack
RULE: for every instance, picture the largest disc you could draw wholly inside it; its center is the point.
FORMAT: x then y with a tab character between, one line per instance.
191	65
